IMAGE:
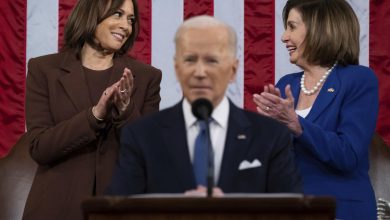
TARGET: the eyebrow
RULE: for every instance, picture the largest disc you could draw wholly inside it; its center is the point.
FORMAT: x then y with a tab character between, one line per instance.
292	22
130	15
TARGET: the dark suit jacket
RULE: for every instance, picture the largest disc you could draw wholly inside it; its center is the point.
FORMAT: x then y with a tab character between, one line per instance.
154	156
332	152
75	153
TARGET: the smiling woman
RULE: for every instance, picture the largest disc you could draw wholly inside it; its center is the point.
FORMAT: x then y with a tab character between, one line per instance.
113	31
81	27
331	106
77	102
294	35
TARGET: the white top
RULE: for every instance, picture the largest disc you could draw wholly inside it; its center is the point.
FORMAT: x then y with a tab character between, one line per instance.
304	112
218	130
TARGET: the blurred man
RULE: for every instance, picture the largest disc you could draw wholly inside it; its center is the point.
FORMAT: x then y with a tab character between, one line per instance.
251	153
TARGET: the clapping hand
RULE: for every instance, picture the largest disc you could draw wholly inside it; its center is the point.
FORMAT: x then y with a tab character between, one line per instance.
117	95
270	103
123	90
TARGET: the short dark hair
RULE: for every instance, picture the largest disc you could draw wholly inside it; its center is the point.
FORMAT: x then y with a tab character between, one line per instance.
332	31
87	15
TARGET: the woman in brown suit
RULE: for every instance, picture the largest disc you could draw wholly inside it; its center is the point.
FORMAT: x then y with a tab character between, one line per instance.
77	102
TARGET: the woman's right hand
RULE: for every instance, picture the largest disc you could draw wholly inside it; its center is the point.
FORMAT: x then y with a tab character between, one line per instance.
271	104
117	94
103	107
123	91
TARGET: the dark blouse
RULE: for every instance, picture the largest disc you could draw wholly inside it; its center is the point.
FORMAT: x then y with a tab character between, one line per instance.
97	82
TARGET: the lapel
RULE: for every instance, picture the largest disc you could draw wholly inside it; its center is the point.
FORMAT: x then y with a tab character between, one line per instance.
328	92
74	81
295	89
175	139
235	146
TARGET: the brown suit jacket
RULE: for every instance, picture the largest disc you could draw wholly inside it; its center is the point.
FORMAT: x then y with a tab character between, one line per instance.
76	153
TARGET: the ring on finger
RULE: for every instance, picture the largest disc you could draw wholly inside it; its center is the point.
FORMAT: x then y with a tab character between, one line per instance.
267	108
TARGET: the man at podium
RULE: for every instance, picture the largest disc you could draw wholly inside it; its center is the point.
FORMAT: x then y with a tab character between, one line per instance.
166	152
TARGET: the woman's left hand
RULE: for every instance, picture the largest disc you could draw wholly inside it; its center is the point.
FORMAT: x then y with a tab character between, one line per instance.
123	90
270	103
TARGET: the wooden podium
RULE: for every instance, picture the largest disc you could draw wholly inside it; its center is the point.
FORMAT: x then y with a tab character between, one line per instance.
253	207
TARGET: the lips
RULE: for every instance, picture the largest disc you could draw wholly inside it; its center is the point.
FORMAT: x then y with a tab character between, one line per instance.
291	49
200	88
118	36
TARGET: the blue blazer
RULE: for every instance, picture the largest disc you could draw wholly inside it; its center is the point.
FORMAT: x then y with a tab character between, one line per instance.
333	150
154	156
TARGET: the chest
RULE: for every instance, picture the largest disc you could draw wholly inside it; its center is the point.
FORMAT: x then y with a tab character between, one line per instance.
305	101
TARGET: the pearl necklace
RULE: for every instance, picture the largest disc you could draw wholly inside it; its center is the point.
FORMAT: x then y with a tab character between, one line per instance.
318	84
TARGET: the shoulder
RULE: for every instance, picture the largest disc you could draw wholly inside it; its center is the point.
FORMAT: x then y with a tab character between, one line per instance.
155	120
140	67
289	78
52	63
356	75
46	66
49	60
356	71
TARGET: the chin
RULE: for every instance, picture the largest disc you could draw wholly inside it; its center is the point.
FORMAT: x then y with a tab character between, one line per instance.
293	61
193	98
116	47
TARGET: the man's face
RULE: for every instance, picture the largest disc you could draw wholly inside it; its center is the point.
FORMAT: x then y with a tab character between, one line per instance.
204	63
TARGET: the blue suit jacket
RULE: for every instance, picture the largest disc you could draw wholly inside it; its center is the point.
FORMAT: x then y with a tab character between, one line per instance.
154	156
332	152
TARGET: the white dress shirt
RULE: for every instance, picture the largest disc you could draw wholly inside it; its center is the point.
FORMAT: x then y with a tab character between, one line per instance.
218	130
304	112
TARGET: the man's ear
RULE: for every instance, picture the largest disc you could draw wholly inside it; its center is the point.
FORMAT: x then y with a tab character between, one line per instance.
234	70
175	65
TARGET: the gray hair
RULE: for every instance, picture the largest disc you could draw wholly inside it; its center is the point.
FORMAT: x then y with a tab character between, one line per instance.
208	21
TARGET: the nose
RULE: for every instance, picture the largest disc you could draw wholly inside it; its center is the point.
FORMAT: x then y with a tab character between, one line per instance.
200	70
284	37
125	25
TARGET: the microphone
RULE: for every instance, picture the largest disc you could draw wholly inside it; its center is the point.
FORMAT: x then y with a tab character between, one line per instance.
202	109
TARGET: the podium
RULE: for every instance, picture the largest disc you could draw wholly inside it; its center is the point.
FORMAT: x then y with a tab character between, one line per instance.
253	207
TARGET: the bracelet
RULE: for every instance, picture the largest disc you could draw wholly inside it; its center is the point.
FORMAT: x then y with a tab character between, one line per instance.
97	118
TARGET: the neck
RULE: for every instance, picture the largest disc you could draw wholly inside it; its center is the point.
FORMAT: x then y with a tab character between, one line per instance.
96	60
315	71
313	78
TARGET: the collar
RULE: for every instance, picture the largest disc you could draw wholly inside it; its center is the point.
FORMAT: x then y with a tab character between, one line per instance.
220	114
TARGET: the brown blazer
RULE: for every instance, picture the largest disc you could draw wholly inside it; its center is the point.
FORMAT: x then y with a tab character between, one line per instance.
75	153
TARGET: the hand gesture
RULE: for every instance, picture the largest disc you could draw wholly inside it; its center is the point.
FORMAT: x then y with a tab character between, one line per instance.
117	95
123	90
270	103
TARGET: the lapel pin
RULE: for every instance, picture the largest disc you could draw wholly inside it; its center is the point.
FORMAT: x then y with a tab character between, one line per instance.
241	137
330	90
